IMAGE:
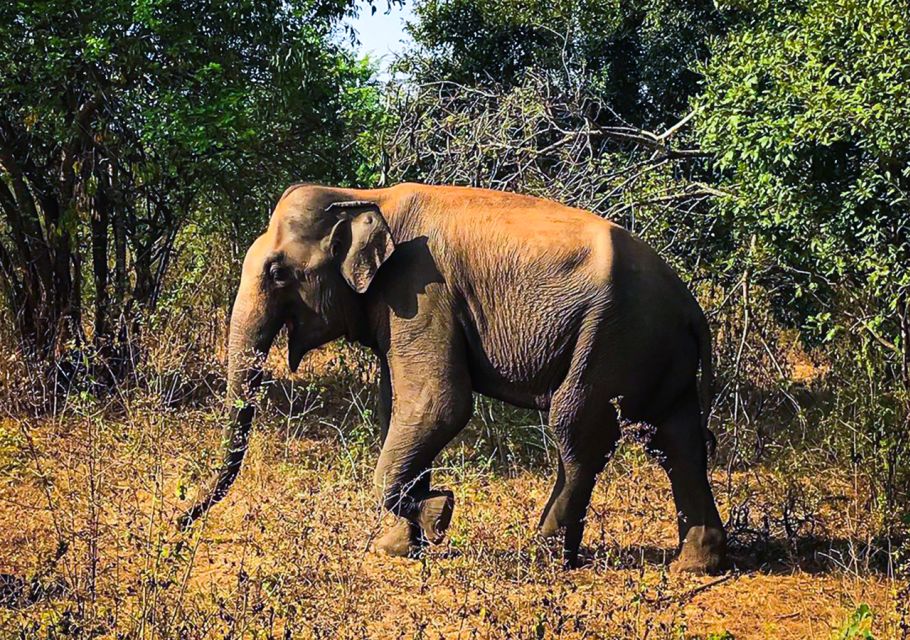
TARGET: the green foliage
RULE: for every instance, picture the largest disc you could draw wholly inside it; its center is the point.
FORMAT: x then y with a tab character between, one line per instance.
215	97
12	449
638	57
808	112
123	120
858	625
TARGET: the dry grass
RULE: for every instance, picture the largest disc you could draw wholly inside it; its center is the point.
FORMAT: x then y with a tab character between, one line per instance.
285	555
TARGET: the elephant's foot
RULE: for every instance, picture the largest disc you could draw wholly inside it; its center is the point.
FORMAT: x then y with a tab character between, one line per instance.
435	514
549	526
553	520
703	551
402	540
551	529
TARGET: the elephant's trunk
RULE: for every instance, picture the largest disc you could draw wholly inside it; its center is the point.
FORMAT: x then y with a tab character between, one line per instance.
253	328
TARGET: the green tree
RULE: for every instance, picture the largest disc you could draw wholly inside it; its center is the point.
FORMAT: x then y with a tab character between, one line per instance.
118	120
638	58
808	113
807	110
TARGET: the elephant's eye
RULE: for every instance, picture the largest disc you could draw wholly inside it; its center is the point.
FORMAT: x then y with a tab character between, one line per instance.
280	274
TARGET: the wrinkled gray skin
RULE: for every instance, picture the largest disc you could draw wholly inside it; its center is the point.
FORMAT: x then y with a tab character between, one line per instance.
459	290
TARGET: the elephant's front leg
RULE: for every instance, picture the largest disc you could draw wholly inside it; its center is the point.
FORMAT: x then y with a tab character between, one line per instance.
403	538
431	404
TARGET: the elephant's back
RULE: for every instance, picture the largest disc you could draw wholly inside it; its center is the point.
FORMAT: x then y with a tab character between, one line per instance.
514	248
527	276
523	273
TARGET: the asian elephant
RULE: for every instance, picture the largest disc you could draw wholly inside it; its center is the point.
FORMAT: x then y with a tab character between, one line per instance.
458	290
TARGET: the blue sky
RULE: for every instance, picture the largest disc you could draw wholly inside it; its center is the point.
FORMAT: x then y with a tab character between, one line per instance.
381	34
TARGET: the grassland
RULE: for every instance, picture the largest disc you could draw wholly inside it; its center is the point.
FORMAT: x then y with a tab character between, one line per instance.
88	547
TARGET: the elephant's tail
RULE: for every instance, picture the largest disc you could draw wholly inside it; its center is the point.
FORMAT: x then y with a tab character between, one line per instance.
706	380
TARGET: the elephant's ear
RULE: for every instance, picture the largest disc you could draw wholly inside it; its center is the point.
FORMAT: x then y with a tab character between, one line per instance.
361	240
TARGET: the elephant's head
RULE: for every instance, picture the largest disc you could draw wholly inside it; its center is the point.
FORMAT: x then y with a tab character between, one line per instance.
304	273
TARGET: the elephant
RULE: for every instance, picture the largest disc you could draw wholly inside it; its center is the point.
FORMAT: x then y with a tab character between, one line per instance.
460	290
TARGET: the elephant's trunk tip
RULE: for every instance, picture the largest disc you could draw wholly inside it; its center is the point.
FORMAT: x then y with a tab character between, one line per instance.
186	520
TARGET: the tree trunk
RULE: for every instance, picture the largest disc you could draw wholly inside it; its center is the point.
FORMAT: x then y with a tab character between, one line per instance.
100	221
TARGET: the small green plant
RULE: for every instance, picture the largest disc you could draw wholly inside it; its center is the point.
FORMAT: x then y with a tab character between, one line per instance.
858	625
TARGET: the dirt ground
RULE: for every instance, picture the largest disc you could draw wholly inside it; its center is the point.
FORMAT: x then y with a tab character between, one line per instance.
88	547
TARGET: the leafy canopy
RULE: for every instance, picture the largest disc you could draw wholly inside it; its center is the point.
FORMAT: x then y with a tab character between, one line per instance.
122	120
808	112
637	57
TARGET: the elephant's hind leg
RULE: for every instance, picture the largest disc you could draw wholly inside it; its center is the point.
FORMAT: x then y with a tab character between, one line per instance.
587	434
680	447
548	525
